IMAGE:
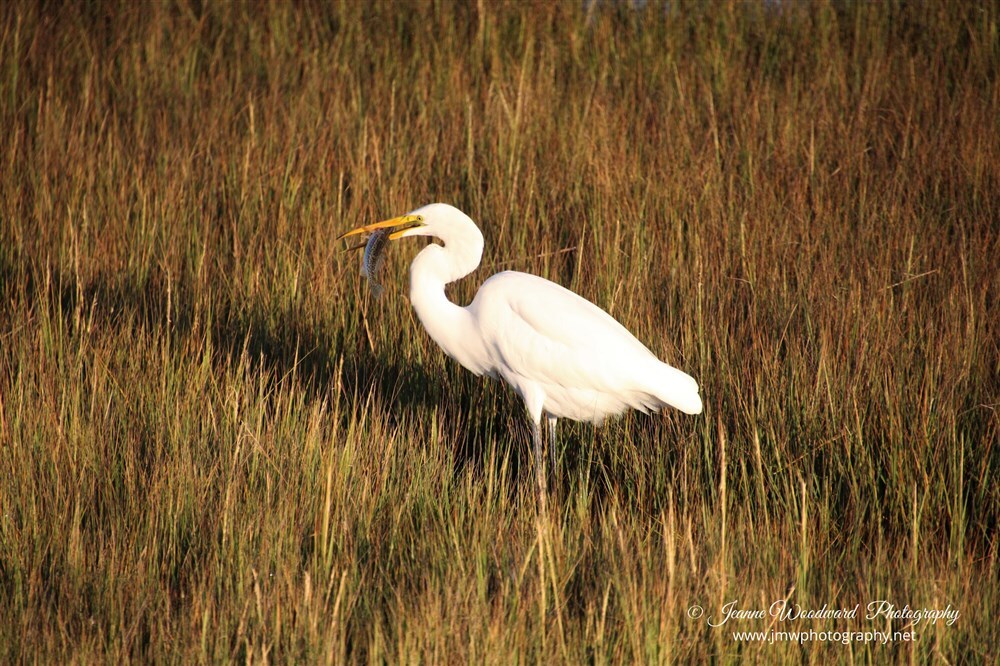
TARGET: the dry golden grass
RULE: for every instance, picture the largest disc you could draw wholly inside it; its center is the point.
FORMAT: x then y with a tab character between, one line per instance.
216	446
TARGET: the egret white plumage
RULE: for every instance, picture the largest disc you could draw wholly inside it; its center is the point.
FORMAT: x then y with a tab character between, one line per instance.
565	356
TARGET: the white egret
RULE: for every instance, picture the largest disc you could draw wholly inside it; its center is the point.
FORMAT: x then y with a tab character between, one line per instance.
565	357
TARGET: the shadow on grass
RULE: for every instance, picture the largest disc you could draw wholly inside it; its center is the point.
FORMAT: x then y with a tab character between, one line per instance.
478	418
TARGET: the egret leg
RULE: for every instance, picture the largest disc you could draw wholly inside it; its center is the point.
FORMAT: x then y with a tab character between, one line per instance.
536	428
552	442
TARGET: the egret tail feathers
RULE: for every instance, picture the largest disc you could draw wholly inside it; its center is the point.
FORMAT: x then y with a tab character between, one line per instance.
678	389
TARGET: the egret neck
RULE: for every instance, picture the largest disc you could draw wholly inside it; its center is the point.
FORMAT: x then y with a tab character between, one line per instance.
451	326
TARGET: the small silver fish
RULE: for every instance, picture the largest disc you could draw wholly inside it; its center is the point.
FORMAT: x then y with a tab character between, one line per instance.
374	258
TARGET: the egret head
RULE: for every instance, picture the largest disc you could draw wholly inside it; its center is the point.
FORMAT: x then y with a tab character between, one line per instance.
438	220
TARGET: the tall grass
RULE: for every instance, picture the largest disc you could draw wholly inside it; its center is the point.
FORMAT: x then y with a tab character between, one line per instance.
216	445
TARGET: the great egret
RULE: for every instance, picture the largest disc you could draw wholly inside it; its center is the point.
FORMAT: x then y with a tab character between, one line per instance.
565	357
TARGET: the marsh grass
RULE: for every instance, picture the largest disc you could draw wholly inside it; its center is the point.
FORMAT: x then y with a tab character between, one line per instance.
216	445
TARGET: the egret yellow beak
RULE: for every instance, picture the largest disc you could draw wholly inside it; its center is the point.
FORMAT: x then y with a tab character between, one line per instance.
398	225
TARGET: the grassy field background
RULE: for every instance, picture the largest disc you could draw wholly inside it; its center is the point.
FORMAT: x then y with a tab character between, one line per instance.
216	445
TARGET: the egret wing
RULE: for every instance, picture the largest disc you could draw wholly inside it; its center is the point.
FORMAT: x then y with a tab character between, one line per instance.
554	336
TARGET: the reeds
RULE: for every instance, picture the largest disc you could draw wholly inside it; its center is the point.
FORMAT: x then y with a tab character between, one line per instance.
216	446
